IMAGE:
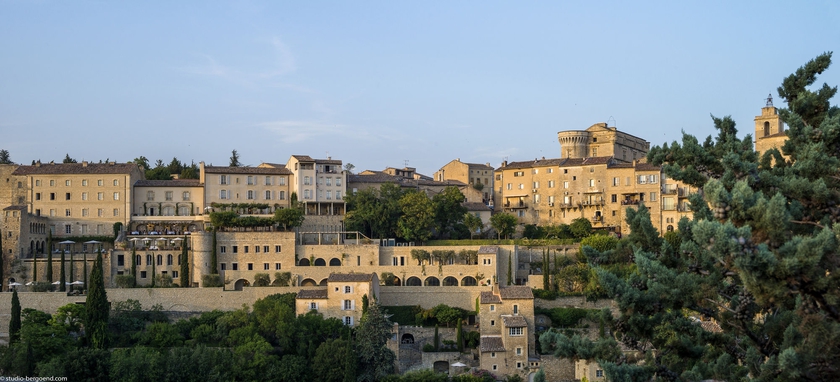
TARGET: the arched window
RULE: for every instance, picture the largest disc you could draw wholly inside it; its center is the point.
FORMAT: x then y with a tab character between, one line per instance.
303	263
138	260
766	129
169	259
159	260
334	262
670	228
148	259
320	263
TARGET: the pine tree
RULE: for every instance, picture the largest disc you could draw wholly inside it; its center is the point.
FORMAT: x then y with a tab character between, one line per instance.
97	309
759	258
185	266
375	359
234	159
14	323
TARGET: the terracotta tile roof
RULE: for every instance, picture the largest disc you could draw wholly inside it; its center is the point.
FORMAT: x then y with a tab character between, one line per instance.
514	321
491	344
272	165
247	170
11	208
647	167
489	298
488	249
516	293
309	294
450	182
328	161
476	206
168	183
483	166
534	163
571	162
374	177
77	168
350	277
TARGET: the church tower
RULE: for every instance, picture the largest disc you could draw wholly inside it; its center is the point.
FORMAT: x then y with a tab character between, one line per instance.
769	129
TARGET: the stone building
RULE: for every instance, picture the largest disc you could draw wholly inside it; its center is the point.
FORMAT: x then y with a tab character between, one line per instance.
167	206
600	140
271	186
769	129
342	298
475	174
507	344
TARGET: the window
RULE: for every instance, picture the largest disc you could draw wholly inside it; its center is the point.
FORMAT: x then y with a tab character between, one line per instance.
495	367
282	181
235	249
492	308
337	195
313	306
256	249
84	196
38	183
515	331
250	266
652	196
84	212
250	194
159	260
307	194
276	266
84	232
100	196
516	309
223	179
174	274
519	365
116	196
565	184
223	249
642	179
116	212
138	260
37	196
536	184
234	266
100	212
265	248
599	373
348	305
614	198
67	196
100	182
348	321
329	195
224	266
223	194
337	183
250	180
591	182
168	195
281	195
67	183
329	181
616	181
246	249
116	182
347	289
518	351
550	184
268	195
52	195
142	274
519	173
169	259
493	355
492	322
265	266
84	182
276	248
67	212
52	183
307	181
185	195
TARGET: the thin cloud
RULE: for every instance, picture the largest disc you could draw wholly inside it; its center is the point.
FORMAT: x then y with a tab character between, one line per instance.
300	131
282	63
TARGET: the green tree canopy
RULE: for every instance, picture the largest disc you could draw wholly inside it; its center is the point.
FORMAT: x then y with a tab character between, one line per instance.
417	218
449	210
504	224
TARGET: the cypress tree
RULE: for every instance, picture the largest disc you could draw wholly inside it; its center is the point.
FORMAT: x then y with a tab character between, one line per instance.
545	270
437	338
459	336
185	267
97	309
14	323
72	271
49	258
154	261
350	359
62	287
34	267
85	267
510	270
134	262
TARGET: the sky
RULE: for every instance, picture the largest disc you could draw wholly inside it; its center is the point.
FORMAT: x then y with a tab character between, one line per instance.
387	84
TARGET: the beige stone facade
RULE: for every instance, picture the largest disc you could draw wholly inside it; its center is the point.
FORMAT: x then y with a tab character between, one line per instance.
257	185
769	129
342	297
469	173
320	184
167	206
600	140
81	199
507	343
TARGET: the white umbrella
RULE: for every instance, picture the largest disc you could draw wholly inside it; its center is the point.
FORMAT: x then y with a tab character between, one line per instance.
458	364
177	239
77	282
15	284
134	239
57	283
93	242
29	283
67	242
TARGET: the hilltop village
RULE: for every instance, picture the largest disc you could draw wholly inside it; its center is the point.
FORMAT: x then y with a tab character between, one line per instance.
160	229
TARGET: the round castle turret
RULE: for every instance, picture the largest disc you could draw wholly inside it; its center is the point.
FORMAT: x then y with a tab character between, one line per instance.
573	143
202	246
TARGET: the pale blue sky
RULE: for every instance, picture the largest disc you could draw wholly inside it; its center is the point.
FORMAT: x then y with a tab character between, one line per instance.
378	83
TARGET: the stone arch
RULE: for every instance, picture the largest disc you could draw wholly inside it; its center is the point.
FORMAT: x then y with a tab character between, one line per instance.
407	339
240	284
431	281
303	262
441	367
468	281
397	281
319	262
335	262
450	281
323	282
413	281
670	228
308	282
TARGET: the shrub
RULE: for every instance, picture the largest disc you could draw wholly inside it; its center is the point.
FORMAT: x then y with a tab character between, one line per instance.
282	278
429	348
42	286
262	279
125	281
163	281
545	294
211	281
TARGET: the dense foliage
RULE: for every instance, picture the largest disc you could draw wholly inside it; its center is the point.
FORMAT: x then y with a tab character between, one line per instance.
758	260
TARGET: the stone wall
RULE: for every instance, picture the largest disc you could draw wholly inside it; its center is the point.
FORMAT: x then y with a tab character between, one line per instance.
577	302
429	297
557	369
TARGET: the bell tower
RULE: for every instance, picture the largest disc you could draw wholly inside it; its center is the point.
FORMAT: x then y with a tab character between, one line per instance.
769	129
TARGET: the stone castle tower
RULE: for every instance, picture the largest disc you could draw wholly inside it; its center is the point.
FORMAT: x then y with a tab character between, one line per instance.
769	129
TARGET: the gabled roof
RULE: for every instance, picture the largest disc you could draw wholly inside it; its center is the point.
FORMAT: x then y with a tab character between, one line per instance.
491	344
489	298
647	167
534	163
11	208
373	177
350	277
168	183
247	170
514	321
77	168
570	162
516	293
488	249
303	158
476	206
310	294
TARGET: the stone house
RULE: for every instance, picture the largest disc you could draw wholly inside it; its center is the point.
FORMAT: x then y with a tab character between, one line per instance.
342	297
507	344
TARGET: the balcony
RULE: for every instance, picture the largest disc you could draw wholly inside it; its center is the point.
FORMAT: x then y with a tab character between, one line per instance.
669	191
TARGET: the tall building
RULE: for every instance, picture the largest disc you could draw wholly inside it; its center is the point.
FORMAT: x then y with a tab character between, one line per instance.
600	140
480	176
769	129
